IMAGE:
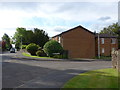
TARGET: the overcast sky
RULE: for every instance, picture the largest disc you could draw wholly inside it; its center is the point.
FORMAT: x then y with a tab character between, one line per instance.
56	17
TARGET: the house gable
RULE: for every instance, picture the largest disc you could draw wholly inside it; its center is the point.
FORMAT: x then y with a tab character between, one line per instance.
82	43
79	42
72	30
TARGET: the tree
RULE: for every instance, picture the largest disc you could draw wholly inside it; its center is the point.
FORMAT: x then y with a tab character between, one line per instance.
26	37
29	37
40	37
19	36
52	47
113	29
6	38
3	45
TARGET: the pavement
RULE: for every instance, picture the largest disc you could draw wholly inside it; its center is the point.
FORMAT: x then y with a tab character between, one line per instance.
19	55
25	72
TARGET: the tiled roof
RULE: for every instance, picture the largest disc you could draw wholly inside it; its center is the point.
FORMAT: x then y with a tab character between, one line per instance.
105	35
73	29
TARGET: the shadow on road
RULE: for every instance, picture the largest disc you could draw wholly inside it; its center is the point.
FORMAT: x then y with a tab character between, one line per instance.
27	76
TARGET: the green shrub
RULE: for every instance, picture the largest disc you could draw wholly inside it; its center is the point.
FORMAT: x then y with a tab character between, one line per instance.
24	46
32	48
52	47
58	56
41	53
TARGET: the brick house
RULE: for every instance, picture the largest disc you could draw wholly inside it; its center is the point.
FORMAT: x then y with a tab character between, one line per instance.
82	43
107	44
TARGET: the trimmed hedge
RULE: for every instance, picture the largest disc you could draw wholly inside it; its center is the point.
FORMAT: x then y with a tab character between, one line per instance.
41	53
32	48
52	47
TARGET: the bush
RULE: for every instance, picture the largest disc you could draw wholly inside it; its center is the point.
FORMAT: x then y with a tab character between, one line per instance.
24	46
52	47
32	48
58	56
41	53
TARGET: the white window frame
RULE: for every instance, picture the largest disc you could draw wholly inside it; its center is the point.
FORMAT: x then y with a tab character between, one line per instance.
113	41
103	50
102	40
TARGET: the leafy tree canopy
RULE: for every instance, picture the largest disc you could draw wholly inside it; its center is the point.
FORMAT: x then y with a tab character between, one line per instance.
6	38
113	29
26	37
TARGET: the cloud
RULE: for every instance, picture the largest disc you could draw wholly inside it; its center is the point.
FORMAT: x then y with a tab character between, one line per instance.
60	29
98	26
55	17
106	18
75	11
119	13
9	31
27	6
89	11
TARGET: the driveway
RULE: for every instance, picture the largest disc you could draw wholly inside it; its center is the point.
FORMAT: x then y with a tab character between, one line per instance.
21	73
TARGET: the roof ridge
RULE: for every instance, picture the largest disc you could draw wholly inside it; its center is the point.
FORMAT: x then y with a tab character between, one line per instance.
73	29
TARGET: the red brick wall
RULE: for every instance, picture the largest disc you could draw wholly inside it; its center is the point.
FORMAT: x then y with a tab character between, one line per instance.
79	43
55	38
107	46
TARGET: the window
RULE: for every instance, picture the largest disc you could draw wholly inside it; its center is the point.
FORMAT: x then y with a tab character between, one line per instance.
113	40
59	39
102	40
103	50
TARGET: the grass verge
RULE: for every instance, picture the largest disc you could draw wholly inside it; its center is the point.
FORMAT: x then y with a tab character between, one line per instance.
28	55
103	78
103	57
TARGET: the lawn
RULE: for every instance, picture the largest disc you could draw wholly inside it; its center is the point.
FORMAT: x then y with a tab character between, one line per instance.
28	55
103	78
103	57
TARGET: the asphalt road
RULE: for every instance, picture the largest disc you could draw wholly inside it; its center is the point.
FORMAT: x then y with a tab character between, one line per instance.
20	73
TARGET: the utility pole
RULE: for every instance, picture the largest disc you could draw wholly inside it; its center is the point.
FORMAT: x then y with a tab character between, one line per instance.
98	46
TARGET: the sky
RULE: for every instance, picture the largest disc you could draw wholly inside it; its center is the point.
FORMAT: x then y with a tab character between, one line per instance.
56	17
